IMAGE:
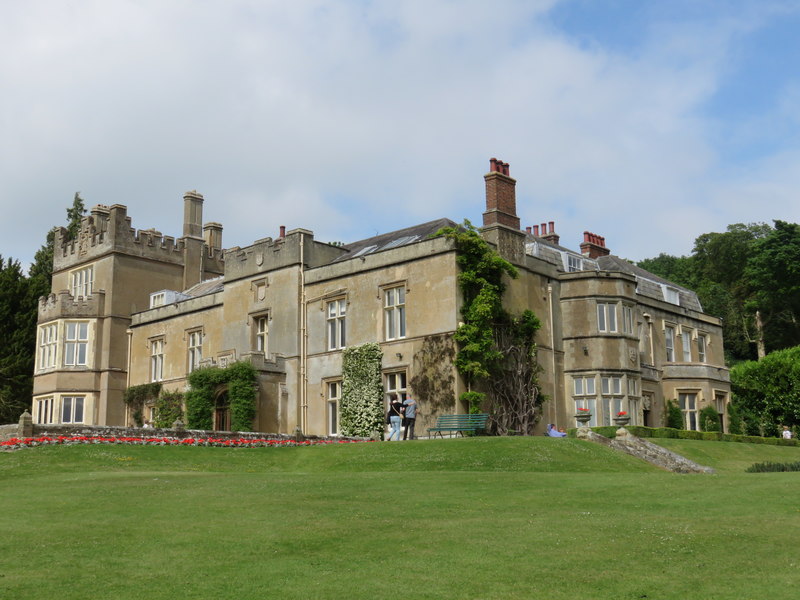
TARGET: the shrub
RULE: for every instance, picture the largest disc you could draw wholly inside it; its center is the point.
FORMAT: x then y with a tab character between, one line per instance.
474	400
735	424
770	467
709	419
674	418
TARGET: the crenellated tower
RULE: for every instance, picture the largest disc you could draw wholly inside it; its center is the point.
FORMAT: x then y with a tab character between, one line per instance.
101	277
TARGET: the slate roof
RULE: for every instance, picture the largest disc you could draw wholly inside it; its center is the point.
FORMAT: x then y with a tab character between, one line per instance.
209	286
647	283
394	239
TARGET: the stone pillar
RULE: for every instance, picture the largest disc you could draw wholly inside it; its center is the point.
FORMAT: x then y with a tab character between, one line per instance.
25	425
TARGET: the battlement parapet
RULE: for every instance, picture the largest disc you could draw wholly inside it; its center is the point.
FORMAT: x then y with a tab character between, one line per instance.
65	305
108	229
269	254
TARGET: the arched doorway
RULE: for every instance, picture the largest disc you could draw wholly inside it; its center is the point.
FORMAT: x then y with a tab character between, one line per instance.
222	413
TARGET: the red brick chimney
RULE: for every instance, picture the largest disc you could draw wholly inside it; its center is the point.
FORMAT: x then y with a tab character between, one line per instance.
594	246
501	198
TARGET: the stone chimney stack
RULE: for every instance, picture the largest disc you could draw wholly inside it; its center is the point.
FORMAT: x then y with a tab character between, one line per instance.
212	234
594	246
193	214
501	198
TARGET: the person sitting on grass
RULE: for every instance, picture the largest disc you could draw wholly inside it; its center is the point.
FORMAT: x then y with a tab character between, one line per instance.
553	432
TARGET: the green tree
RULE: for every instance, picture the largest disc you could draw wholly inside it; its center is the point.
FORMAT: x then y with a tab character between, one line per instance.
19	306
41	271
767	392
18	335
773	276
749	276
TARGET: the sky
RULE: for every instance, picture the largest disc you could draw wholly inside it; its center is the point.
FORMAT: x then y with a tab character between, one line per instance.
647	122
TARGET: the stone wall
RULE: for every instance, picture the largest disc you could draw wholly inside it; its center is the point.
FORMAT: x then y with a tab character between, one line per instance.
18	431
640	448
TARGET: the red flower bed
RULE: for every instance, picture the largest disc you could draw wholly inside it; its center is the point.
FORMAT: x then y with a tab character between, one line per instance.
164	441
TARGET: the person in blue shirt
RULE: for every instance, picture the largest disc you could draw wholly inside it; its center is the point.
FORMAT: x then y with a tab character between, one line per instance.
409	417
553	432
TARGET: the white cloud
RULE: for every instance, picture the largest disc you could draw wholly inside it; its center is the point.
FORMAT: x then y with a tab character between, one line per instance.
353	118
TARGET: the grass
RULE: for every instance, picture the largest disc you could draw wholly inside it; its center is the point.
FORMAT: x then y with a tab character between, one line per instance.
474	518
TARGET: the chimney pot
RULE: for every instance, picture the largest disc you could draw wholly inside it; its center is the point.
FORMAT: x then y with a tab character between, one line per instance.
552	226
536	230
528	230
544	228
283	232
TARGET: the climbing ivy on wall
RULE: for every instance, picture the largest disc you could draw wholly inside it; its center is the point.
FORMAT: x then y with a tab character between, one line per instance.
361	405
168	409
205	383
496	350
137	395
433	377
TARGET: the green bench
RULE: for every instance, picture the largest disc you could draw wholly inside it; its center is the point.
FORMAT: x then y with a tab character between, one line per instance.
455	424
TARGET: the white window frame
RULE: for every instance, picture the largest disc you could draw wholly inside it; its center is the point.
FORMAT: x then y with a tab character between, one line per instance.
73	409
671	295
394	311
48	346
261	335
702	348
607	317
336	311
333	392
686	343
688	403
76	343
612	397
157	359
574	263
584	386
82	281
585	396
627	319
45	408
157	299
194	349
669	342
395	382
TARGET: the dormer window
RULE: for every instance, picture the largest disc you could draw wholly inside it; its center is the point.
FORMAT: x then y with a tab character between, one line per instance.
672	295
157	299
574	263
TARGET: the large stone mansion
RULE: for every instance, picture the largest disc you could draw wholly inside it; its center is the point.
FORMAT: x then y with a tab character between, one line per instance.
132	307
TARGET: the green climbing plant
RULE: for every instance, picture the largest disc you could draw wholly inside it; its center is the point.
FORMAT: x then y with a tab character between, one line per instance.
205	383
137	396
168	409
361	405
496	350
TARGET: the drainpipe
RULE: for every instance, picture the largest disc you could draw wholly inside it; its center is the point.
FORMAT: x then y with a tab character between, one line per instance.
302	417
553	345
128	373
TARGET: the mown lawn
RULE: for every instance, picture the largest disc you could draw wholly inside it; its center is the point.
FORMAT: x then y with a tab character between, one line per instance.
473	518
